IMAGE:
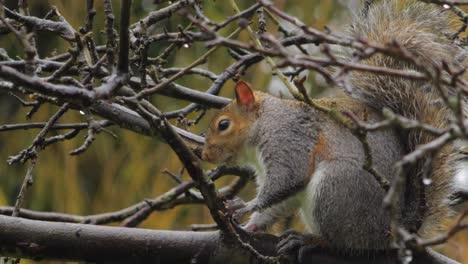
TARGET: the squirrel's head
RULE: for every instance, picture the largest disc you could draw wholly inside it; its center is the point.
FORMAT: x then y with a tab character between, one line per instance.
230	128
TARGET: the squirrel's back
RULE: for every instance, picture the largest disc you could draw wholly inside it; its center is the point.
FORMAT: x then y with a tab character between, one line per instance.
423	30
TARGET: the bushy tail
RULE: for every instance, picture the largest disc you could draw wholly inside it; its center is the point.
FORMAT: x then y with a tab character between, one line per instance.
423	30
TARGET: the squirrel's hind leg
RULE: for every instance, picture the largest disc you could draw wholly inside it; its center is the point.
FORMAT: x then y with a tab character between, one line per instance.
348	210
295	245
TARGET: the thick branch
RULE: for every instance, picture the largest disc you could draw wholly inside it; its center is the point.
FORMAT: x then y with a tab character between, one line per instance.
79	242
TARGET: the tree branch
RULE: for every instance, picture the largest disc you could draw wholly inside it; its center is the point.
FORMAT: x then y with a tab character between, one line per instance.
78	242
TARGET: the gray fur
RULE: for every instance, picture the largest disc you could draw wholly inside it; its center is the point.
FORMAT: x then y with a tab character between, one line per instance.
341	202
276	212
349	210
285	135
423	30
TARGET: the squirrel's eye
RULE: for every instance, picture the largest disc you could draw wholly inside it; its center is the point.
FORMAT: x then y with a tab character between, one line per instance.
223	124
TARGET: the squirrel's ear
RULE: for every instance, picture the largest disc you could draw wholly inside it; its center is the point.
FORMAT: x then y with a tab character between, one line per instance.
244	94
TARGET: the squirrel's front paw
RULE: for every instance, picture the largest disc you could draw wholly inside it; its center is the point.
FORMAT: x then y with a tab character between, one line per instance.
234	205
294	245
242	211
237	208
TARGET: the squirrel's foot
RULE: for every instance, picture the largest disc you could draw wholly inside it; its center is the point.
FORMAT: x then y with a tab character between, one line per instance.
294	245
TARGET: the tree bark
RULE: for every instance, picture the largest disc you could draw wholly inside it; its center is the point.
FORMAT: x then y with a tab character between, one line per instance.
40	240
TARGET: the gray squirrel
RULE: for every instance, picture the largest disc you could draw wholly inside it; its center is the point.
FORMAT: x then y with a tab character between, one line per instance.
307	161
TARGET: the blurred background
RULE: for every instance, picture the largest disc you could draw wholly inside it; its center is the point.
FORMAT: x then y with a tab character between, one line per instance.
117	172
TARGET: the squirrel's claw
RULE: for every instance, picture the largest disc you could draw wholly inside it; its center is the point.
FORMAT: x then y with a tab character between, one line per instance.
289	245
243	211
294	245
234	205
239	208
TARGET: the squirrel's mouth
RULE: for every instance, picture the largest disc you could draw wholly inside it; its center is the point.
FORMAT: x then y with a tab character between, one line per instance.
217	157
206	156
211	156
